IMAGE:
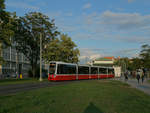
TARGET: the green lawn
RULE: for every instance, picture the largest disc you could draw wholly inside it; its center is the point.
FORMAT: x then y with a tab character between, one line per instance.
19	81
93	96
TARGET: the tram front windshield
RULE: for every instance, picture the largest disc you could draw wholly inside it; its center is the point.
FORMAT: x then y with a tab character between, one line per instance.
52	68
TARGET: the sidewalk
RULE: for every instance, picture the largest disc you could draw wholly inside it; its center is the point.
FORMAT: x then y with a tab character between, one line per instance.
145	87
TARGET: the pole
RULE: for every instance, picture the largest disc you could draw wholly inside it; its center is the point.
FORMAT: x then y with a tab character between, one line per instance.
16	63
40	57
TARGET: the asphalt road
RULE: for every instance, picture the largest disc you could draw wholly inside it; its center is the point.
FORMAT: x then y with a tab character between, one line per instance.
12	89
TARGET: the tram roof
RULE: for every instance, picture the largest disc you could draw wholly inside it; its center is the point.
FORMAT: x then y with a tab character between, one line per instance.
59	62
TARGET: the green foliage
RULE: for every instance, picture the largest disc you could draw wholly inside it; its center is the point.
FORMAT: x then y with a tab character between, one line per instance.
1	60
130	64
6	28
69	52
136	63
63	49
123	62
145	55
5	25
27	35
2	5
52	52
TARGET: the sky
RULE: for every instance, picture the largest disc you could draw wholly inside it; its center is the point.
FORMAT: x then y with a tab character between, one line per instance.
98	27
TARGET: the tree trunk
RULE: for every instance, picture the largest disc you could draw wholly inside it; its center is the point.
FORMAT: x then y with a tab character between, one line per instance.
34	65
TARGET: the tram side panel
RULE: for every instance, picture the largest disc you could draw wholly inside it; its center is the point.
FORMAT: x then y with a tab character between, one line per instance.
62	72
103	72
83	72
66	72
93	72
110	72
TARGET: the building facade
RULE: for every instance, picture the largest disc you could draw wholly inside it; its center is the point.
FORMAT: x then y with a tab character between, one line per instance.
104	61
15	63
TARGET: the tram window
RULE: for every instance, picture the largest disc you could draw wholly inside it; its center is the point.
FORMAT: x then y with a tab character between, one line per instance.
102	70
83	70
110	71
66	69
94	70
52	68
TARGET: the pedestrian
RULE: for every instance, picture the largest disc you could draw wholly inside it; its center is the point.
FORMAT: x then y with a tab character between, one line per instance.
142	78
145	72
138	75
134	74
126	76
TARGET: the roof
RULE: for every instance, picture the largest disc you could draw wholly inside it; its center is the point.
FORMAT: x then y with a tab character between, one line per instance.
105	59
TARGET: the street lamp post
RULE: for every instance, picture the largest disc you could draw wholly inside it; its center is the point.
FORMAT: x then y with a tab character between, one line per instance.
40	57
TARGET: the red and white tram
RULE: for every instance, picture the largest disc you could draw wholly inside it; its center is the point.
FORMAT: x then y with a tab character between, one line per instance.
59	71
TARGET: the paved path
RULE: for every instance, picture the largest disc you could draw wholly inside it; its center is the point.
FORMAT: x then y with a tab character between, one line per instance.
145	87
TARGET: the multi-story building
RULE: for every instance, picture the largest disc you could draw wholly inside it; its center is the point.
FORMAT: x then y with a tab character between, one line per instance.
15	63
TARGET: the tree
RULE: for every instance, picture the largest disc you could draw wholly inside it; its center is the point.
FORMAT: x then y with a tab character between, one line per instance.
145	55
136	63
27	35
63	49
69	52
123	62
52	52
6	26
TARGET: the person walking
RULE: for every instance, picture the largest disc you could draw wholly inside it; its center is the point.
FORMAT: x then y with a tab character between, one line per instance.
142	78
145	72
141	75
126	76
138	76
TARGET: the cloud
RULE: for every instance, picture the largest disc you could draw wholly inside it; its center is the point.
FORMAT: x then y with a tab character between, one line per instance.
87	6
127	28
118	21
124	27
88	55
130	1
22	5
134	39
132	52
108	25
125	21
